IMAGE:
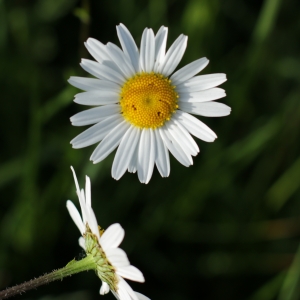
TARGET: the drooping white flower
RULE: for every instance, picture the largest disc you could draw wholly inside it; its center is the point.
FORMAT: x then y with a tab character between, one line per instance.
112	262
143	108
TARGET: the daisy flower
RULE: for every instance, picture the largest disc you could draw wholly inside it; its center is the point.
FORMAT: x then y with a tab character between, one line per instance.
143	108
112	262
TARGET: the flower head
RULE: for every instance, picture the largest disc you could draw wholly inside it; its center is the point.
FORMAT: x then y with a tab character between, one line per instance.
112	262
142	108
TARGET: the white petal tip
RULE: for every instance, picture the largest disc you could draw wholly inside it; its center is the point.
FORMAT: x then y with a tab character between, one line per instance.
141	296
104	288
131	273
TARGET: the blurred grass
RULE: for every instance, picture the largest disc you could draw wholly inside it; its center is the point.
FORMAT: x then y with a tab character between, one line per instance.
225	228
290	288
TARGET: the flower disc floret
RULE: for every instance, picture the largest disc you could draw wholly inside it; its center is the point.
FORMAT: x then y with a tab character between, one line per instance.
148	100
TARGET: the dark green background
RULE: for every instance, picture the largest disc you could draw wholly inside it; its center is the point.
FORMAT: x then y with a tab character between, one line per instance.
227	227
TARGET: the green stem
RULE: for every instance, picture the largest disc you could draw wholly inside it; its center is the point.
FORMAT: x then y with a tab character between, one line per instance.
73	267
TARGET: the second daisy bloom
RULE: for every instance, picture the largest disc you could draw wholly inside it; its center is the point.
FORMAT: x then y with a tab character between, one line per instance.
111	261
143	109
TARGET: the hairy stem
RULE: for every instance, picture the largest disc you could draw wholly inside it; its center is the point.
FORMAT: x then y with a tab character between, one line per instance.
71	268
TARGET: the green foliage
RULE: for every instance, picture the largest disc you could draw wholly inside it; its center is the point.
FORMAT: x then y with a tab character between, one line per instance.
225	228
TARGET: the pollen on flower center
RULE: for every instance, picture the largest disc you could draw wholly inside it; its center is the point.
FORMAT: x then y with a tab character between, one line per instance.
148	100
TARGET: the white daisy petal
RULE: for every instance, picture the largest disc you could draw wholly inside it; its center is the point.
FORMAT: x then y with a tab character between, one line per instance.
75	216
81	200
173	56
82	196
110	142
129	46
117	257
97	132
147	50
141	296
125	287
117	295
125	152
202	96
183	137
189	71
104	288
96	98
207	109
81	242
88	197
132	169
75	180
118	56
95	115
84	211
102	71
162	160
177	136
131	273
101	53
195	126
121	295
152	156
122	292
200	83
146	155
112	236
97	50
90	84
92	68
92	221
133	161
160	46
175	148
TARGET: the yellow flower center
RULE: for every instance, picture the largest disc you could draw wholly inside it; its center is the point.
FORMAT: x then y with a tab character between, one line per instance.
148	100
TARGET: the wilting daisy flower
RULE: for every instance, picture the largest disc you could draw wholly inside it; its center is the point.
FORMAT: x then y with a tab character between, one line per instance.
112	262
144	109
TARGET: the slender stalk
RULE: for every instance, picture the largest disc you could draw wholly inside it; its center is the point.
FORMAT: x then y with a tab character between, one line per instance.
71	268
